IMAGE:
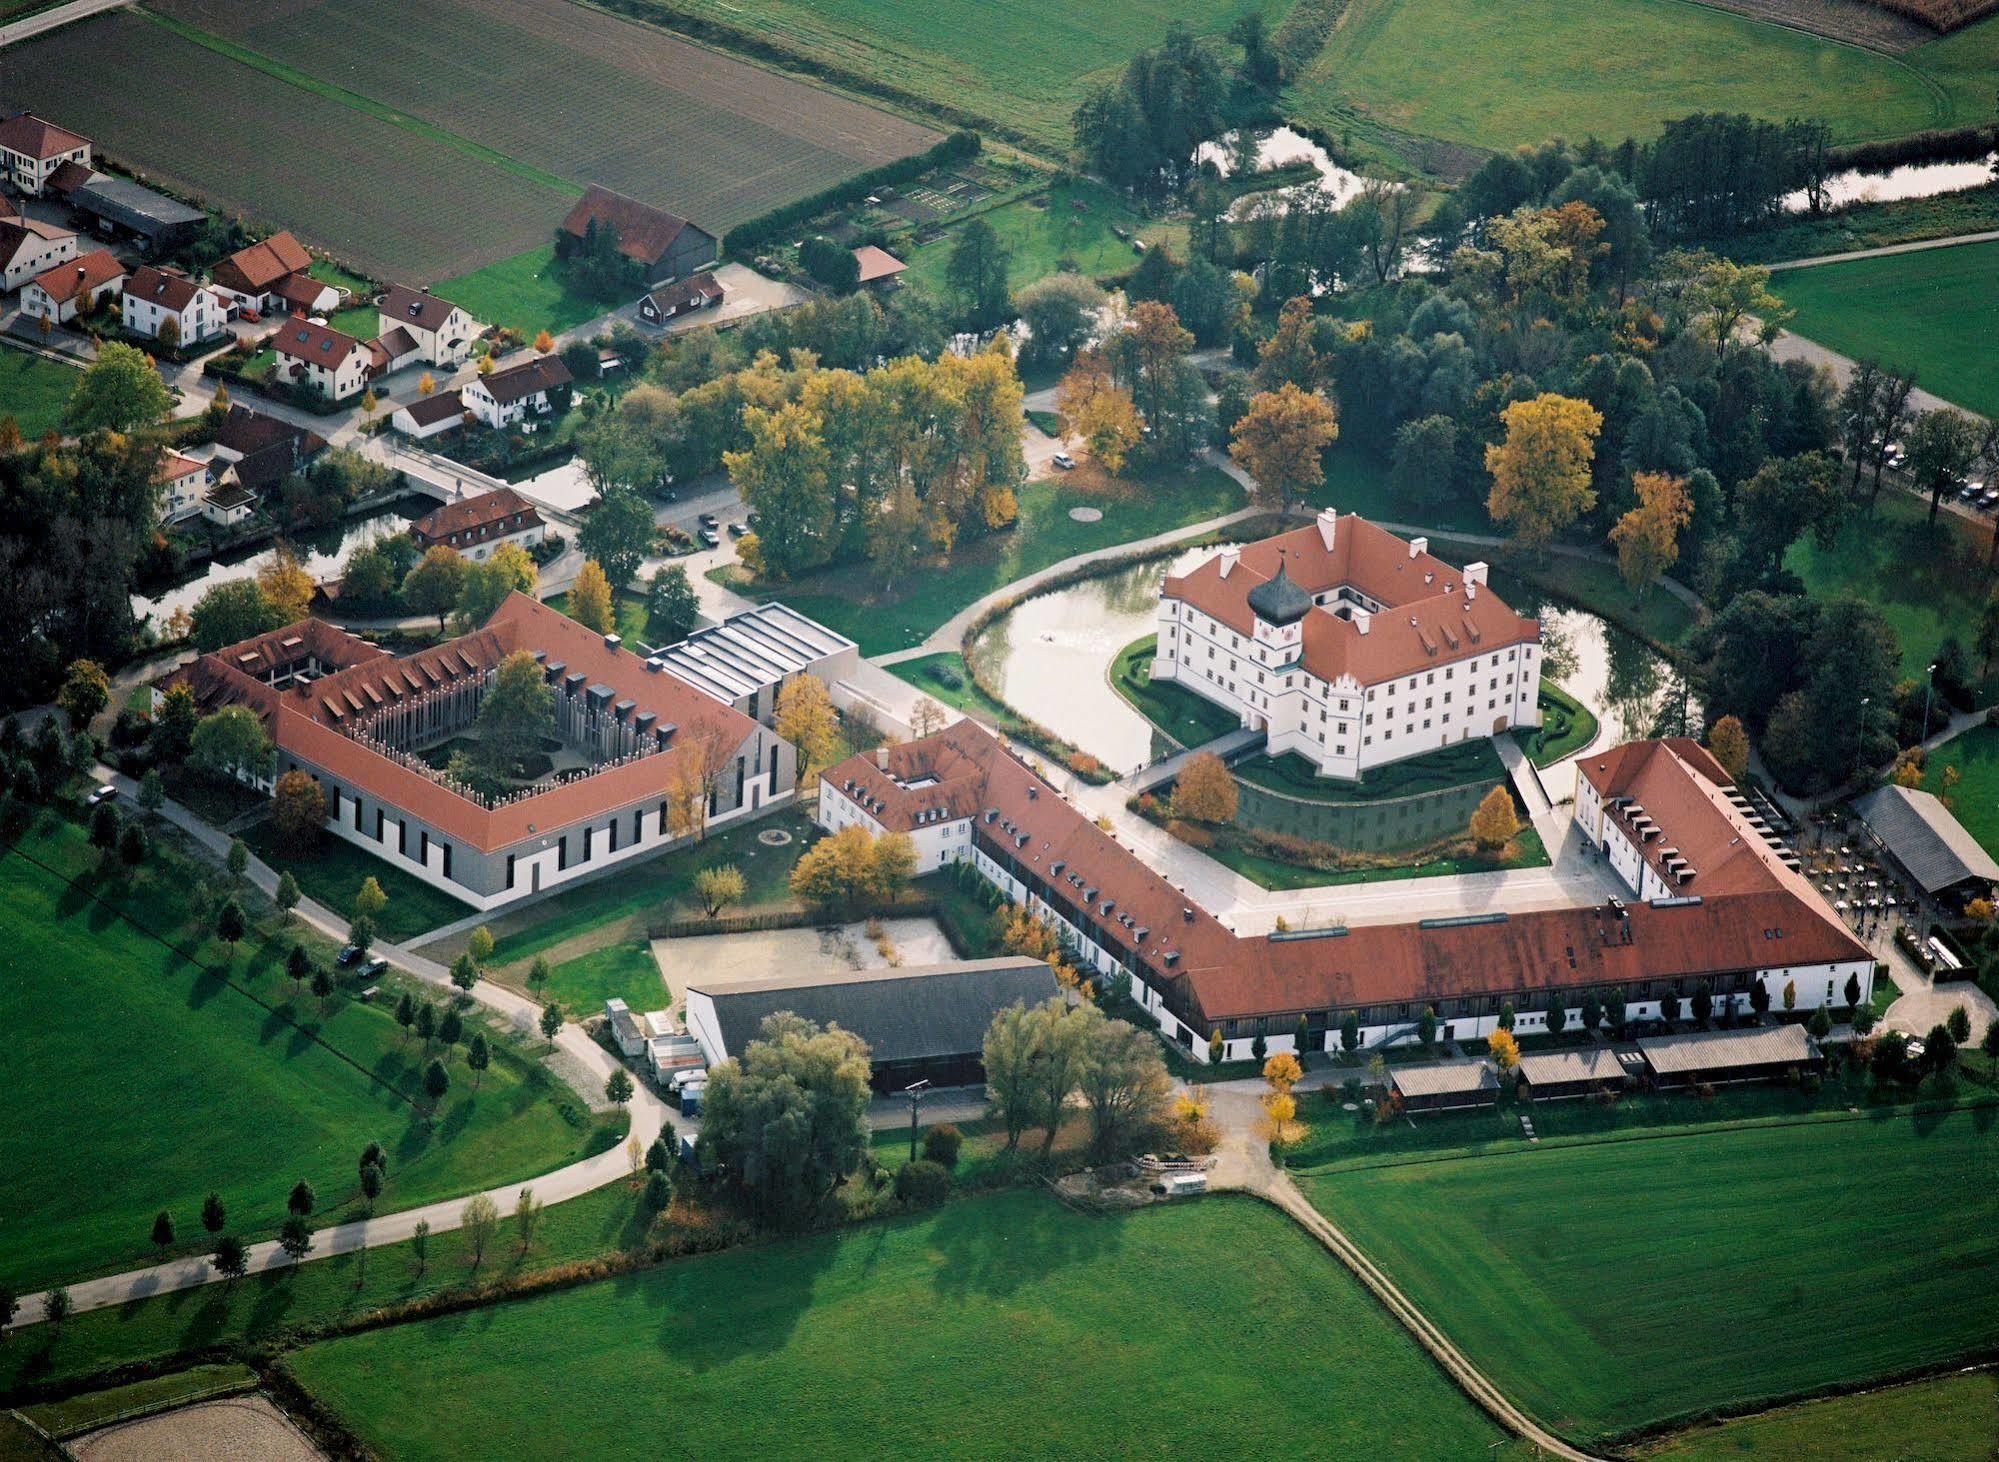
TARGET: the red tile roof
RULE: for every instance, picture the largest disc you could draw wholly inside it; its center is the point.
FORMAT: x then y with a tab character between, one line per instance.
1430	616
470	514
517	382
254	270
85	272
67	178
408	306
16	232
428	410
30	136
644	233
163	287
319	344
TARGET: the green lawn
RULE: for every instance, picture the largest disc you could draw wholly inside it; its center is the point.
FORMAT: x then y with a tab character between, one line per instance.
1527	852
527	292
1928	582
1504	73
1869	226
1001	1326
1567	726
34	390
360	318
1934	312
1458	765
228	1081
929	674
1949	1419
1188	718
581	985
1069	227
1618	1284
333	874
851	600
1975	799
634	622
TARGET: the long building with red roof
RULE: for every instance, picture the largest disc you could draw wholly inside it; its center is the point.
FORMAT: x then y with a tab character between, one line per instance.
633	738
961	796
1350	646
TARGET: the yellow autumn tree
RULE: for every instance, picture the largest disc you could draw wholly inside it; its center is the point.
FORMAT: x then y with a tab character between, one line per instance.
1541	471
1204	790
1495	823
1505	1050
544	342
1282	1070
1278	441
590	598
285	583
1730	745
805	718
1092	406
1647	538
1908	770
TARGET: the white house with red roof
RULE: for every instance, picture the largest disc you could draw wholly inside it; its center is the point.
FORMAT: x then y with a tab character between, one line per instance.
519	395
31	150
1350	646
29	247
438	332
73	288
183	484
272	275
166	304
323	359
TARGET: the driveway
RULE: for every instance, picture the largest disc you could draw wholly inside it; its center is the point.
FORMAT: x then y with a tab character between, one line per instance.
744	293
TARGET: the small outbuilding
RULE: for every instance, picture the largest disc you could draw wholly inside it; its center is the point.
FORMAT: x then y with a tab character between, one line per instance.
877	267
1442	1086
1550	1075
1762	1053
626	1034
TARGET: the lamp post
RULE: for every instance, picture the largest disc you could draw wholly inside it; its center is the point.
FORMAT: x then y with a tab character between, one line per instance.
1929	685
914	1091
1860	734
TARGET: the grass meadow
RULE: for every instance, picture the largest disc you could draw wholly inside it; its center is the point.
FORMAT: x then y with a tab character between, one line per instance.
1974	800
1948	1419
159	1067
34	390
1002	1326
1934	312
1616	1284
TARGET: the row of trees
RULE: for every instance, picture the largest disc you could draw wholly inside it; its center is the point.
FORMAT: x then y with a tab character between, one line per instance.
1041	1058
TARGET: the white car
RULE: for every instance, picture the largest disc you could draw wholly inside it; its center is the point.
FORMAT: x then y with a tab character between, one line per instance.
103	792
1064	461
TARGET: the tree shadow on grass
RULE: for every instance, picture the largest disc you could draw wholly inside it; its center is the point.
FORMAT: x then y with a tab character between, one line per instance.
993	1249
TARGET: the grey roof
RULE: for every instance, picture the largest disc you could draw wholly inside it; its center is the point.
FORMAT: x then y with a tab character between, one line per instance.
1925	839
133	205
903	1014
1556	1068
763	646
1280	600
1444	1078
1775	1045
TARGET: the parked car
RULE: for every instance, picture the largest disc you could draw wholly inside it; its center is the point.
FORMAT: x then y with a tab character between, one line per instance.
347	955
373	968
710	537
103	792
709	520
1989	498
737	530
1064	461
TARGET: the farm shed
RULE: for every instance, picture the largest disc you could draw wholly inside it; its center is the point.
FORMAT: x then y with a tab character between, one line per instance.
663	245
922	1022
1552	1074
1441	1086
121	208
1761	1054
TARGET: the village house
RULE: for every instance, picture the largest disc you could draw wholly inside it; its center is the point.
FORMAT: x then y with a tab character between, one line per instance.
165	305
701	292
319	357
1746	917
1350	646
515	395
253	453
475	526
271	275
646	759
31	150
29	247
414	326
430	416
878	267
73	289
662	245
183	481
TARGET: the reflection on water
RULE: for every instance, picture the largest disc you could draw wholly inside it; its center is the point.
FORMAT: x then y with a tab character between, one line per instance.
1914	180
322	554
1280	148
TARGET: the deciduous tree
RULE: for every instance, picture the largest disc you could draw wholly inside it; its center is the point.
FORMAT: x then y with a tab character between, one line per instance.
478	1221
435	584
590	599
86	690
1205	791
285	584
806	718
120	390
617	534
1495	823
508	571
1279	442
1541	470
1730	745
1647	538
719	887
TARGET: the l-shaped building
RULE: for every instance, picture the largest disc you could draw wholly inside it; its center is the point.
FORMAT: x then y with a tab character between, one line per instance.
1730	913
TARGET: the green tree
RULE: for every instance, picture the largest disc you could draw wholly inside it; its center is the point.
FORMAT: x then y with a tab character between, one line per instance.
287	895
551	1022
478	1056
527	1217
231	742
213	1214
464	973
163	1232
833	265
719	887
538	972
617	534
153	790
436	584
233	610
229	925
231	1259
508	571
672	607
236	860
436	1081
1958	1023
1123	1081
120	390
518	710
450	1027
406	1012
783	473
56	1306
1060	312
976	272
322	986
618	1089
85	691
420	1245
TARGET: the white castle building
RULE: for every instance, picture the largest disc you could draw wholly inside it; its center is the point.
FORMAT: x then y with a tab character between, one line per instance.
1350	646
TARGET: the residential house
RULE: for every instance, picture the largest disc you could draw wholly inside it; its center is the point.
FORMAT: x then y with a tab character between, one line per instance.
438	332
183	482
662	245
256	452
165	305
430	416
228	504
878	267
118	208
72	289
700	292
32	149
475	526
272	275
319	357
516	395
29	247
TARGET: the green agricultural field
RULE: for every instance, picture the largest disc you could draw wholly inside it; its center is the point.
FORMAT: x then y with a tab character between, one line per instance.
332	874
1000	1326
34	390
1070	226
1934	312
1502	73
1024	65
1950	1419
526	292
1626	1283
850	602
1975	798
229	1081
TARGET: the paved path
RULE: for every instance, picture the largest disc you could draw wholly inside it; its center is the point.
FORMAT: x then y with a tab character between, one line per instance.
44	21
591	1064
1788	346
1915	246
1158	774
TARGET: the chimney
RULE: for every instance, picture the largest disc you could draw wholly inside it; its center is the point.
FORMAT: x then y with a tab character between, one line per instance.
1360	620
1418	545
1229	558
1329	522
1474	575
881	758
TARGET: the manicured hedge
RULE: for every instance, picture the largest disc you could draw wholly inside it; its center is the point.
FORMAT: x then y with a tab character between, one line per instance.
958	147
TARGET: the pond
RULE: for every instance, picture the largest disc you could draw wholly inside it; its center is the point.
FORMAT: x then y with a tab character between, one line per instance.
1912	180
1279	148
322	554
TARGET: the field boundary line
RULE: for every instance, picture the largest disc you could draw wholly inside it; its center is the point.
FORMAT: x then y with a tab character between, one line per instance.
355	101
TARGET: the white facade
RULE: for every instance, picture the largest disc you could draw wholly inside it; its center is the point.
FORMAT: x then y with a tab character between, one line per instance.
448	345
35	255
201	318
937	844
30	174
348	377
501	415
182	489
38	304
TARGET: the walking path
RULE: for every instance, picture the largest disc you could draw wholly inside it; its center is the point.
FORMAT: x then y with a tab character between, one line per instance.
1159	773
44	21
1914	246
587	1064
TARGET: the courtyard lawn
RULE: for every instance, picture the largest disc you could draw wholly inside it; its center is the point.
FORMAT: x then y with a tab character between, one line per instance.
1525	851
944	678
1002	1326
1458	765
1934	312
1567	726
634	621
1928	582
527	293
628	971
1627	1283
1072	226
851	601
333	873
1503	73
1948	1419
220	1077
34	390
1188	718
1975	799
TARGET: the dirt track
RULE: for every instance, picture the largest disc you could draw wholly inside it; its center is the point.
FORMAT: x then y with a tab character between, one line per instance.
1854	21
238	1429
